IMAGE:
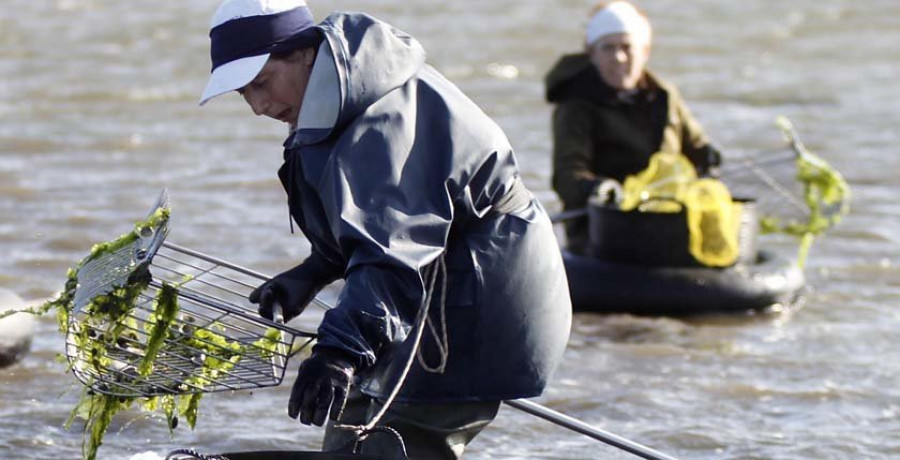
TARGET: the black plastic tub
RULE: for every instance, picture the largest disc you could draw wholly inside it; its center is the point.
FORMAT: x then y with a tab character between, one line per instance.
655	239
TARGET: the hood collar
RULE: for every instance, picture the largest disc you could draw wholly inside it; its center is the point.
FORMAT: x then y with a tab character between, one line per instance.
360	61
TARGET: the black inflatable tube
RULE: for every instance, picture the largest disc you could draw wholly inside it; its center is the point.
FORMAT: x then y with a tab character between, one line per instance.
598	286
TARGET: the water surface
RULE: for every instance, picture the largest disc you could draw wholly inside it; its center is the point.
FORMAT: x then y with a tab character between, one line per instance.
98	113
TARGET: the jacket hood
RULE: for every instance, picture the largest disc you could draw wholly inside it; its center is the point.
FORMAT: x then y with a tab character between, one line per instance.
569	77
566	70
367	58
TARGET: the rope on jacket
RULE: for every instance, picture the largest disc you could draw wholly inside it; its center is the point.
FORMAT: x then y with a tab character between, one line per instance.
431	273
439	268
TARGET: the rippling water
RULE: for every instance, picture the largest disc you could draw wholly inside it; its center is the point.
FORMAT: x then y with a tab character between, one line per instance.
98	113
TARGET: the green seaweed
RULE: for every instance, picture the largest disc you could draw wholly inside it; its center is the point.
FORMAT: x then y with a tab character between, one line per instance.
107	321
98	411
823	187
825	192
165	310
268	344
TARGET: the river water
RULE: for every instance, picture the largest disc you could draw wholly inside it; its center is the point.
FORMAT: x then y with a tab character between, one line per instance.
98	114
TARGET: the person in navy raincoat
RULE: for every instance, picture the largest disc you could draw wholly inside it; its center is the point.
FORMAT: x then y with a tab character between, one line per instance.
408	192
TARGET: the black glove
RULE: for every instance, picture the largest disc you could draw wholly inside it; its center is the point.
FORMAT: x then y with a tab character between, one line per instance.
710	162
290	289
323	383
293	289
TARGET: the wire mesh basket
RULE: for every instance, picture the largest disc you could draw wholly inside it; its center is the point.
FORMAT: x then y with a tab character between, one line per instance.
152	318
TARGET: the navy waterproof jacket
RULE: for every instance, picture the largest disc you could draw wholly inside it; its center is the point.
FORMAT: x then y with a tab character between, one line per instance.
407	175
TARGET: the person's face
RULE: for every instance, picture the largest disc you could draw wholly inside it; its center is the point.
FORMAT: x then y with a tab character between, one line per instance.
277	91
620	60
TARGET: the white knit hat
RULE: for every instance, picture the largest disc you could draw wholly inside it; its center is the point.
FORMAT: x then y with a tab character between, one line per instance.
616	18
243	34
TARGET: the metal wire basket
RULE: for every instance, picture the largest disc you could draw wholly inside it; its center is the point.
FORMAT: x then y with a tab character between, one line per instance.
216	341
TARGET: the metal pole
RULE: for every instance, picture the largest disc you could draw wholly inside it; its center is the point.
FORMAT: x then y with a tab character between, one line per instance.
566	215
574	424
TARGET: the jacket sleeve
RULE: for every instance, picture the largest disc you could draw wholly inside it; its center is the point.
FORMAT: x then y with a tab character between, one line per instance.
389	224
573	151
695	143
318	269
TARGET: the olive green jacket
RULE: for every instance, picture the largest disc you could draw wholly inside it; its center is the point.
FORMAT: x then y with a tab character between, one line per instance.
599	134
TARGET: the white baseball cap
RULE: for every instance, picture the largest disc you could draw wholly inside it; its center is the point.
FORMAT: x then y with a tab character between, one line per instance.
243	34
